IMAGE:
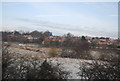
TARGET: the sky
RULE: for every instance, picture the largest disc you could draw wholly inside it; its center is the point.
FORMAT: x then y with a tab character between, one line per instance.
78	18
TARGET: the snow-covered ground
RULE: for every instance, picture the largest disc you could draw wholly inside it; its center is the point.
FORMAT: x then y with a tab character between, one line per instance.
67	64
18	52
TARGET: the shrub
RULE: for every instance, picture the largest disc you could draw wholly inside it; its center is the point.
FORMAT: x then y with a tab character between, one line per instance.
6	60
34	69
100	70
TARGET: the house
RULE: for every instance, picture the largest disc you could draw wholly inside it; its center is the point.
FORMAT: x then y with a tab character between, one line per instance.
110	42
30	38
102	41
54	38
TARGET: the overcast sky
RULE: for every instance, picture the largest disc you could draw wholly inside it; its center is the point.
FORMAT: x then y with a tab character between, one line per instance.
79	18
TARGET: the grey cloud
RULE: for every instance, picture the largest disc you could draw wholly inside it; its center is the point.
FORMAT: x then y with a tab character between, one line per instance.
66	27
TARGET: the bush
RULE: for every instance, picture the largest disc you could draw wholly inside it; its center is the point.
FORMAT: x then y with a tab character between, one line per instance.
6	60
100	70
48	71
34	69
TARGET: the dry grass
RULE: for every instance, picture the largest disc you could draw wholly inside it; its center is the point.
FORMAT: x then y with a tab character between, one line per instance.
52	52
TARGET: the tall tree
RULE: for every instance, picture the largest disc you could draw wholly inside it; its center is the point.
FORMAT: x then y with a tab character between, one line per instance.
47	33
83	38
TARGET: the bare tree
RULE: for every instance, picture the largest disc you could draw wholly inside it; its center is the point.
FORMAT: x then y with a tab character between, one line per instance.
76	48
81	48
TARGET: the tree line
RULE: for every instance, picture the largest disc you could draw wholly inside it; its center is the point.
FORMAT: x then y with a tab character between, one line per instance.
20	37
